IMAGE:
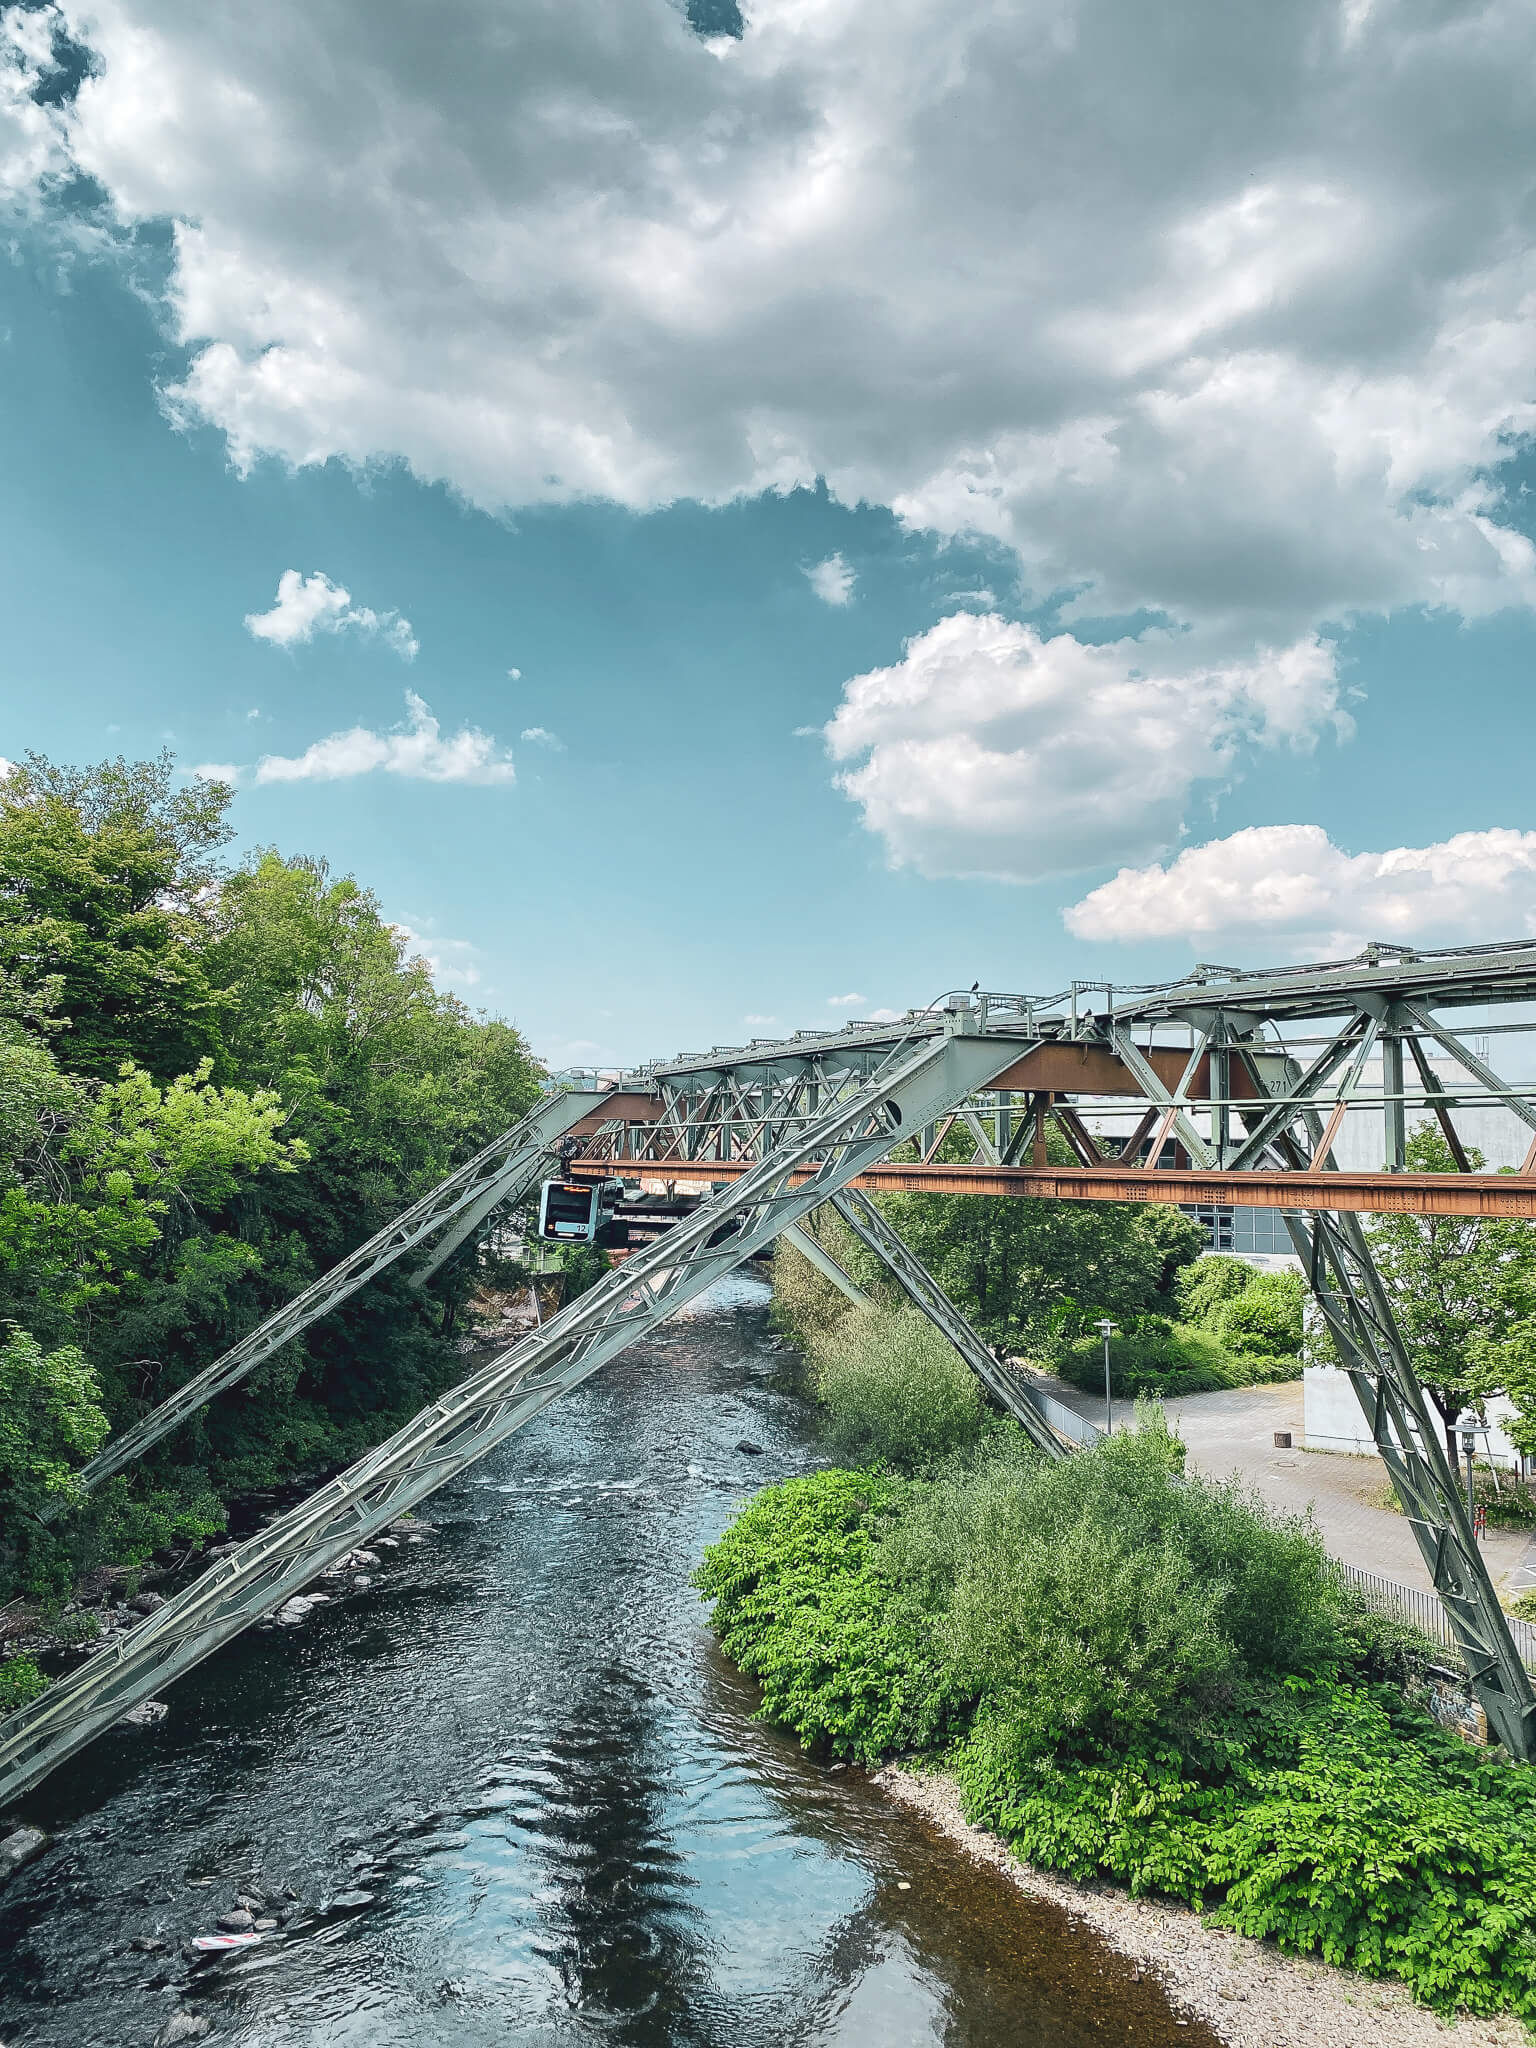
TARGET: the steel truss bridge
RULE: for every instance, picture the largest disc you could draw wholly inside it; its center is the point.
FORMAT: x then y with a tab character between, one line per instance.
1243	1081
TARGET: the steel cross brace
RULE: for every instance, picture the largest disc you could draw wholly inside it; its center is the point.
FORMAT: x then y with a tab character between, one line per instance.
1175	1109
915	1085
504	1170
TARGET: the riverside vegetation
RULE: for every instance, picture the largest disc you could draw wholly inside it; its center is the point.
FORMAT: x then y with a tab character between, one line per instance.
214	1083
1131	1672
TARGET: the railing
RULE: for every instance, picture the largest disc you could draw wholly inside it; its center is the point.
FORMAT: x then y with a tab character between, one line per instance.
1426	1614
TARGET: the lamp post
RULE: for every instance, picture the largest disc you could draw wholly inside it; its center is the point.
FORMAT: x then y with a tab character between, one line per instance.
1107	1329
1467	1444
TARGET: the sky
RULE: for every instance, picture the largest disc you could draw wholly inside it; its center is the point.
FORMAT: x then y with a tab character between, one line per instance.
736	522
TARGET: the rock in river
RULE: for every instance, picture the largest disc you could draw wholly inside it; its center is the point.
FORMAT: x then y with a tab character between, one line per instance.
19	1847
145	1714
181	2026
238	1921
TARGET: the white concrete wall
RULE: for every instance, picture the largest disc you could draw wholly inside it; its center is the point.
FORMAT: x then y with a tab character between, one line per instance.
1332	1419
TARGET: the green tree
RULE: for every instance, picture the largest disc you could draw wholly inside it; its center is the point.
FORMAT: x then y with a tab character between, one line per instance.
1265	1320
212	1086
1037	1273
106	884
1202	1290
1459	1285
51	1419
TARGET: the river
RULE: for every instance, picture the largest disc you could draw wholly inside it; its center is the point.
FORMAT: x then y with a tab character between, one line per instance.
521	1742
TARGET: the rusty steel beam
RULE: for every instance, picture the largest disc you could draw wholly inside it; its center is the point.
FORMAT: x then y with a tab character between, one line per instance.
1393	1194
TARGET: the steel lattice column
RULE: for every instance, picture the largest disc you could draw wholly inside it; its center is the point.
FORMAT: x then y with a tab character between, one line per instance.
1354	1303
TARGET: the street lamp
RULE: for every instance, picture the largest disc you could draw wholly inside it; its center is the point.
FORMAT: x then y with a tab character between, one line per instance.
1467	1444
1107	1329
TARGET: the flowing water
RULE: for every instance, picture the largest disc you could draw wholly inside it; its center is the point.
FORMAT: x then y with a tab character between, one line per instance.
521	1743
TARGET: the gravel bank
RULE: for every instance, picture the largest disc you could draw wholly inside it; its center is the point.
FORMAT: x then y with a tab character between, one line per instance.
1248	1993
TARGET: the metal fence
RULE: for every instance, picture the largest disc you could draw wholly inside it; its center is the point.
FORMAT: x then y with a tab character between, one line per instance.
1426	1614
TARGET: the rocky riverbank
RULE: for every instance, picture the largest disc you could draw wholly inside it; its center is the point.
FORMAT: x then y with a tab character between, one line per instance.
90	1623
1247	1992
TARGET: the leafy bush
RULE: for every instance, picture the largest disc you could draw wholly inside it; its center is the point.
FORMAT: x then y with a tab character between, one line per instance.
1139	1674
799	1605
1265	1319
1159	1357
20	1681
893	1390
1200	1291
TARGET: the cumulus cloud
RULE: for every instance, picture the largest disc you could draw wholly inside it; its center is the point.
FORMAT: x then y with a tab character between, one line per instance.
307	605
832	581
540	736
32	149
991	751
416	750
217	771
1291	882
1223	318
851	1002
1226	316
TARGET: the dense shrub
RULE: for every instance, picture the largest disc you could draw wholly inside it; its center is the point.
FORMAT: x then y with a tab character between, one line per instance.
892	1389
1140	1674
1200	1291
1159	1357
799	1605
1265	1320
20	1681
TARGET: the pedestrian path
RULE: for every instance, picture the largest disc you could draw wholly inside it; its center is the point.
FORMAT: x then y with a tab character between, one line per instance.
1232	1433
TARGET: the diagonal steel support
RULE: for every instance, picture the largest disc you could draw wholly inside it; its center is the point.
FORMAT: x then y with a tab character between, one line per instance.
1152	1084
812	1249
918	1284
1342	1275
1354	1303
500	1173
913	1086
1518	1104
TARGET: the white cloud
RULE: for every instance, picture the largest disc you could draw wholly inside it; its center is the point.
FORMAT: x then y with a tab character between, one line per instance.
755	1022
1231	326
217	771
537	736
832	581
31	147
307	605
417	750
988	750
845	1002
1290	882
514	675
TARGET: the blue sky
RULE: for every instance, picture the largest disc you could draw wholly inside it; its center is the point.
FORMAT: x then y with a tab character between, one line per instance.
1098	621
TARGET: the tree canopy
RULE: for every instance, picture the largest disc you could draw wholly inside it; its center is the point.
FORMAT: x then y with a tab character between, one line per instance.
213	1084
1460	1286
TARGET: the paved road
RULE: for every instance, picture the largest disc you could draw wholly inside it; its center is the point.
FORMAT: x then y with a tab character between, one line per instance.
1232	1433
